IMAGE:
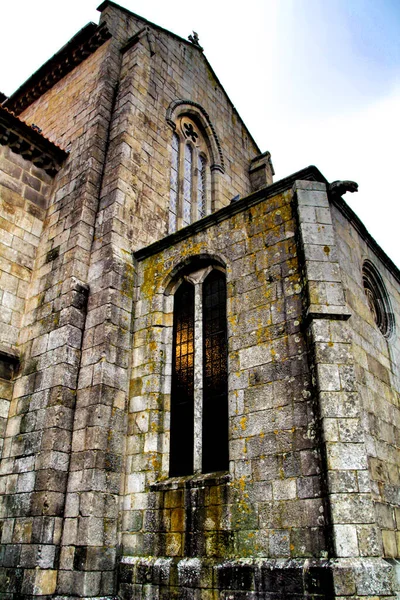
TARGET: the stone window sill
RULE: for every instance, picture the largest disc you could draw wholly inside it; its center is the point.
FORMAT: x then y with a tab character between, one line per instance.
198	480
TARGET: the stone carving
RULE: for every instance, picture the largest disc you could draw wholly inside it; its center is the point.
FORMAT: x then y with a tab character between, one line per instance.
195	40
338	188
190	132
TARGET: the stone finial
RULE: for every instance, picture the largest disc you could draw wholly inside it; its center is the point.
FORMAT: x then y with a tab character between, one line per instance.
195	40
338	188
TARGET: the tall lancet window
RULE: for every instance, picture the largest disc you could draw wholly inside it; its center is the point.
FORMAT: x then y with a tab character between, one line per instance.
199	387
190	182
201	187
182	400
174	183
187	185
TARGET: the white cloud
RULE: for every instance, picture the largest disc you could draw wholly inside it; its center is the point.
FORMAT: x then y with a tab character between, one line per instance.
362	146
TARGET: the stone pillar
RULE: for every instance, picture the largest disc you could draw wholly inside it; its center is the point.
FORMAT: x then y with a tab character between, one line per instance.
42	421
355	536
90	540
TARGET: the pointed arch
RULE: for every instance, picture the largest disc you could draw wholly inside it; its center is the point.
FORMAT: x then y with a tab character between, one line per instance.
199	114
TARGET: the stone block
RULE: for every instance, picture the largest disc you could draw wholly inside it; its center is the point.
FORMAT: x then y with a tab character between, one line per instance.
346	543
284	490
39	582
346	456
352	509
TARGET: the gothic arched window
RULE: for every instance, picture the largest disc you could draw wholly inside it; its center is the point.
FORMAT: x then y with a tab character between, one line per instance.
199	389
190	180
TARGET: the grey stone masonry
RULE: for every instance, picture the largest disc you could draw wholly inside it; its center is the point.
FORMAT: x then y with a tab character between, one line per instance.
352	515
40	464
142	306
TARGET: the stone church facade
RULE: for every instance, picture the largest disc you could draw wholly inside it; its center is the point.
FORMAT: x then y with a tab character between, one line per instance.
199	367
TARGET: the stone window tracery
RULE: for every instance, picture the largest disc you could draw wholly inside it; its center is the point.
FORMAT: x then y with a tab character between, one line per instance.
190	179
377	299
199	392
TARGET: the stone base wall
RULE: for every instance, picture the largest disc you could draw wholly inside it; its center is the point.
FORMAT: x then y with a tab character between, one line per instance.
254	579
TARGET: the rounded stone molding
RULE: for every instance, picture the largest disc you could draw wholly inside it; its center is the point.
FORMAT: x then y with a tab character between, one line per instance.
378	299
193	109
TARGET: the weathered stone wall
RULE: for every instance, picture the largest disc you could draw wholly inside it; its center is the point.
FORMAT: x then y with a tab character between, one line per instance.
270	504
152	77
157	70
24	190
377	363
37	455
353	534
62	113
298	483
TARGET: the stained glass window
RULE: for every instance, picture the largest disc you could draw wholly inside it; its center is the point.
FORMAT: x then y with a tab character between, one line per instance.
182	408
199	391
201	187
187	186
174	182
190	169
215	375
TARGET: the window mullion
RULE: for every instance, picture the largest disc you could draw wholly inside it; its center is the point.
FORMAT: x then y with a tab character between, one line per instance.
198	378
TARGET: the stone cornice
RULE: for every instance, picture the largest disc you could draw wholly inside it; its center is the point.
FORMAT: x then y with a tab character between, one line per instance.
82	45
29	143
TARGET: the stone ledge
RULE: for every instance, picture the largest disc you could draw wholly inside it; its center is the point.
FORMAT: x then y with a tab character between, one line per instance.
191	481
268	578
323	311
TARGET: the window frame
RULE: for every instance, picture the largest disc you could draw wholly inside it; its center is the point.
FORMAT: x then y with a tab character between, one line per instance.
199	152
197	278
377	299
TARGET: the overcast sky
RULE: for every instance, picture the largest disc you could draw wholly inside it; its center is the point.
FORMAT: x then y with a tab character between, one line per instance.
316	81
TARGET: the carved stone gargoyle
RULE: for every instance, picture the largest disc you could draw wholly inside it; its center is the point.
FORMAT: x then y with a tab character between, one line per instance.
338	188
195	40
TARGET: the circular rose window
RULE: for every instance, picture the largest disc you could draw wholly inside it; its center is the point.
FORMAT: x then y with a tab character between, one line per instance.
378	299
